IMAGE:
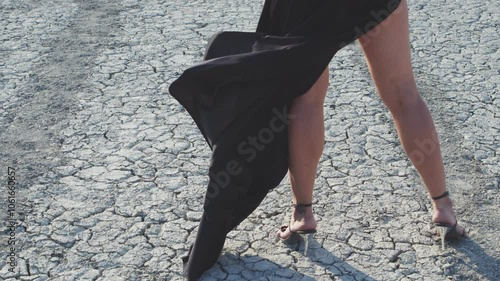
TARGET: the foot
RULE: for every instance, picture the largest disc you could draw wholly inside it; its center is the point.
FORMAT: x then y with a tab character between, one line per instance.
443	213
299	221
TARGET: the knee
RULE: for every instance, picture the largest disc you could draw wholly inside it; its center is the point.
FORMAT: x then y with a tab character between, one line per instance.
404	103
401	96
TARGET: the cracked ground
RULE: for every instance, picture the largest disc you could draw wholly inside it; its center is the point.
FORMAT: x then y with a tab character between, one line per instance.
111	171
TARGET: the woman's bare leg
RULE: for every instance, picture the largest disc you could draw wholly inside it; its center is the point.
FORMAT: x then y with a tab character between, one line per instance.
387	51
306	140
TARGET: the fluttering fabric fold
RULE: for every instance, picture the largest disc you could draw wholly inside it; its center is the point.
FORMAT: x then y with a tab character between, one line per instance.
240	97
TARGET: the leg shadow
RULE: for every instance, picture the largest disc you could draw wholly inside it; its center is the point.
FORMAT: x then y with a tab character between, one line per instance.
473	261
256	267
233	267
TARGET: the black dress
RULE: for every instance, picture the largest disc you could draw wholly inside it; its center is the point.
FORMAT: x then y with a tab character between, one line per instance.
239	97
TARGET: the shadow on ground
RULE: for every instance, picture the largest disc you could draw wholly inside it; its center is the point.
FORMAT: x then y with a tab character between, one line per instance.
474	259
253	267
469	261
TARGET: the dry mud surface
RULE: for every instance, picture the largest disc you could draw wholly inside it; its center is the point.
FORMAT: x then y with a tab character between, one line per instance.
111	171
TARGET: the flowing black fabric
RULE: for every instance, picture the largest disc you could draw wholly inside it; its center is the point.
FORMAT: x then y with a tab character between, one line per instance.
240	95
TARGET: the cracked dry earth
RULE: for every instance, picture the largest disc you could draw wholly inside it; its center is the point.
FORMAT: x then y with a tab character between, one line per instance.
111	171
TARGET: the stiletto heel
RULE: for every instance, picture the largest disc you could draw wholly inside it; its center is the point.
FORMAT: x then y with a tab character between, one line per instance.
305	233
306	237
442	230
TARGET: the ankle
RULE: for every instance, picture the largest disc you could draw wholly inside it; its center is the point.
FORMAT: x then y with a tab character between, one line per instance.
308	214
303	211
442	202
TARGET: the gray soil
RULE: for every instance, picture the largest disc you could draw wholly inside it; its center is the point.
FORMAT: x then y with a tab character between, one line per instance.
111	171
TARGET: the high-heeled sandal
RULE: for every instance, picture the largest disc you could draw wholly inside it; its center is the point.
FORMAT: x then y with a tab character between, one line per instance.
447	231
304	233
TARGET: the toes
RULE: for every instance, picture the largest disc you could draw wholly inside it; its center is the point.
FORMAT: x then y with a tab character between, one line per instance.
281	232
456	234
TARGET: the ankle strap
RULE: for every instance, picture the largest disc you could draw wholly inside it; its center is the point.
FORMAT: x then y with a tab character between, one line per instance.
441	196
300	207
